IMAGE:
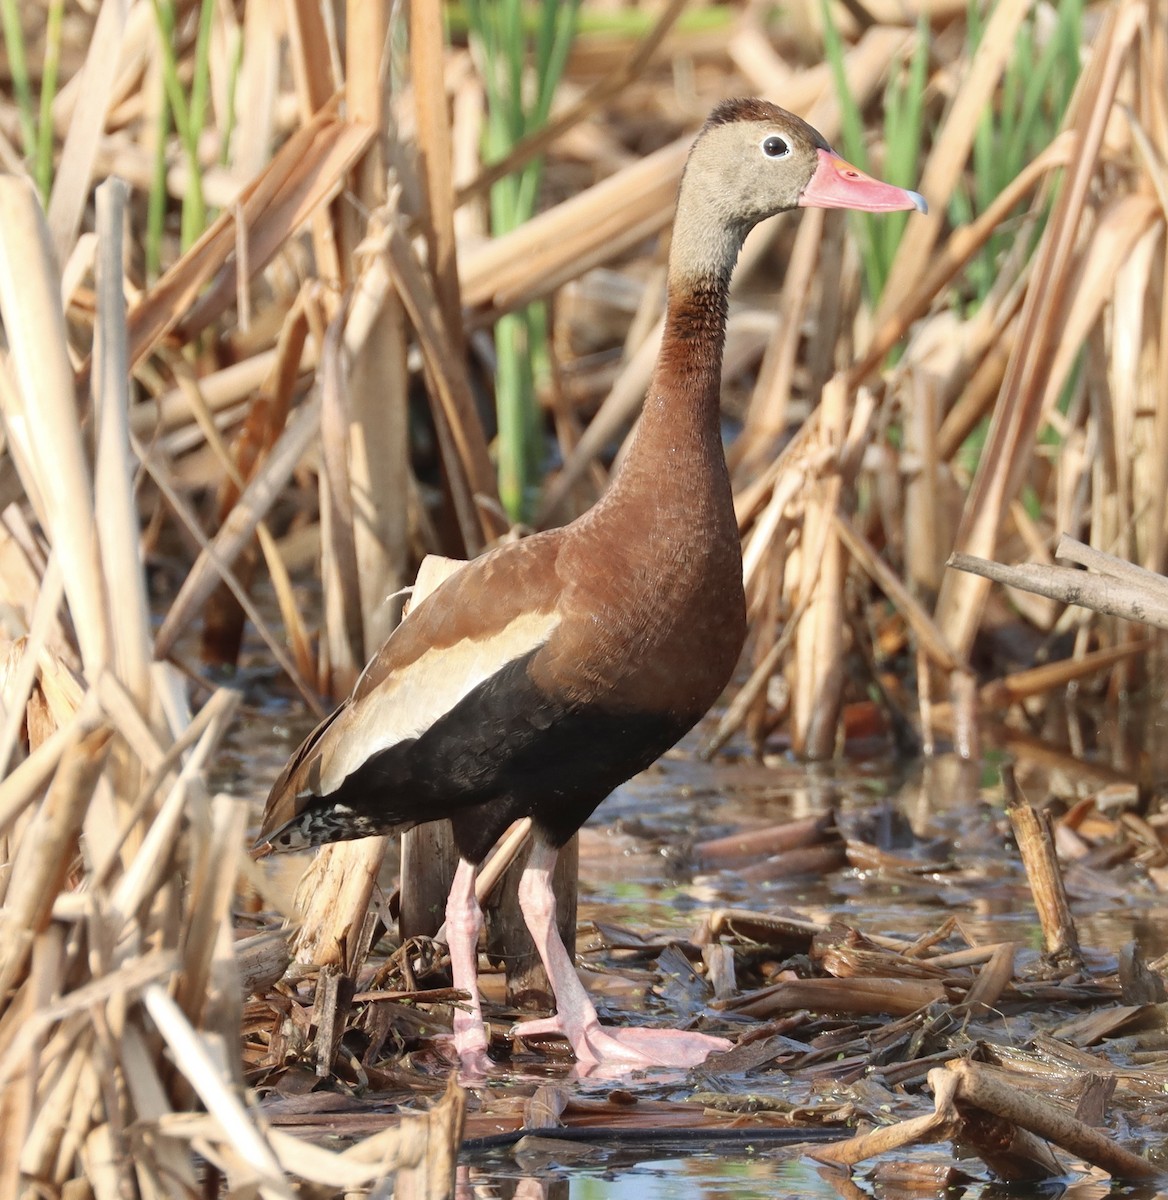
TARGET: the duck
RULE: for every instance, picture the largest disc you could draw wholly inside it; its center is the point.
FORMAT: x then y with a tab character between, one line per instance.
548	671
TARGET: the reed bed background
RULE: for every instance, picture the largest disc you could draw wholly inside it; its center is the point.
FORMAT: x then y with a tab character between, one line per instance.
252	256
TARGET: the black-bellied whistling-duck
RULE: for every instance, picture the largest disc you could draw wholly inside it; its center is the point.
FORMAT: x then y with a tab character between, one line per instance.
540	676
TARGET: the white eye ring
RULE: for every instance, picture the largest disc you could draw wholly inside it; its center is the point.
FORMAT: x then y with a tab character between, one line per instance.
774	146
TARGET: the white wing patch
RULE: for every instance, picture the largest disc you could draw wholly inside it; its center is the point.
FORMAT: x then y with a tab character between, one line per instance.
406	703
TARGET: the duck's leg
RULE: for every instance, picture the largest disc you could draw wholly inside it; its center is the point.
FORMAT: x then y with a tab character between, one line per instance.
576	1017
464	921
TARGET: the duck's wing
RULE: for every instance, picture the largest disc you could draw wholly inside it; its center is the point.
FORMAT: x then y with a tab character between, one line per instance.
488	615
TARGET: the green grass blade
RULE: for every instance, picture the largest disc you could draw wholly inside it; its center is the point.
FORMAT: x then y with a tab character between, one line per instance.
43	172
232	88
511	389
194	215
176	98
514	56
903	135
18	66
193	210
851	119
520	74
852	140
561	32
157	198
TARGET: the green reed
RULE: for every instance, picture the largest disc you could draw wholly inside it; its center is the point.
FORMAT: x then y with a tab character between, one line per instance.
1032	101
903	136
35	115
522	51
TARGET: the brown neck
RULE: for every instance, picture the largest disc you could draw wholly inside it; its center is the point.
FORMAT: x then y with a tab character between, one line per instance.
679	430
685	390
663	539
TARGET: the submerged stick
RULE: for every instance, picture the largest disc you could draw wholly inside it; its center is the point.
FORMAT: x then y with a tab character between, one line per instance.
773	839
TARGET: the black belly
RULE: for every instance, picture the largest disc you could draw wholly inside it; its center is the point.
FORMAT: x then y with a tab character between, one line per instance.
507	751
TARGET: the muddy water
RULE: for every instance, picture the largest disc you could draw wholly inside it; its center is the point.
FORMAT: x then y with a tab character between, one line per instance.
943	824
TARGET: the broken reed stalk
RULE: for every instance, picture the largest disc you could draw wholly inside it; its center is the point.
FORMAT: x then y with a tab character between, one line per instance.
468	475
305	174
266	419
75	170
989	1090
1072	587
936	1126
332	900
817	696
343	636
1008	1125
1117	589
991	980
116	509
40	420
1032	830
896	997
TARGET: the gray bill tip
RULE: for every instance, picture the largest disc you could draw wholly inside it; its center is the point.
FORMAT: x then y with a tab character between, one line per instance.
921	204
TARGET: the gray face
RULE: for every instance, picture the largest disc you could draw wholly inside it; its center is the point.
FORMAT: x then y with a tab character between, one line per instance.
747	170
743	168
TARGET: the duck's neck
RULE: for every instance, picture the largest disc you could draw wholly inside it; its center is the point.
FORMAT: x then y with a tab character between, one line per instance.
683	397
679	431
665	528
685	391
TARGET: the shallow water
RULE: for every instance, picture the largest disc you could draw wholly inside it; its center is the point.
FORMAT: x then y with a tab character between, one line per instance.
633	872
756	1177
753	1176
637	873
738	1175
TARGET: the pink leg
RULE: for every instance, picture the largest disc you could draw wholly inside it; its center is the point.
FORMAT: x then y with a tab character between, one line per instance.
464	921
576	1017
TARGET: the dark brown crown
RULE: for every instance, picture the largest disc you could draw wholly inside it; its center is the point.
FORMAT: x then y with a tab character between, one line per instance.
751	109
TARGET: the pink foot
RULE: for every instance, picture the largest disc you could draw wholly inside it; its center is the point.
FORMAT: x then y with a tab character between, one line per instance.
473	1062
671	1047
628	1049
606	1051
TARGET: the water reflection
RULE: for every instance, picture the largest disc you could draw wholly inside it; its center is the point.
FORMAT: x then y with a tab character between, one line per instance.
712	1177
699	1176
636	871
930	1174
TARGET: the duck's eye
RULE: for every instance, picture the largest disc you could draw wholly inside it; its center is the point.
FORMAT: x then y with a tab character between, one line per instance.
775	147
